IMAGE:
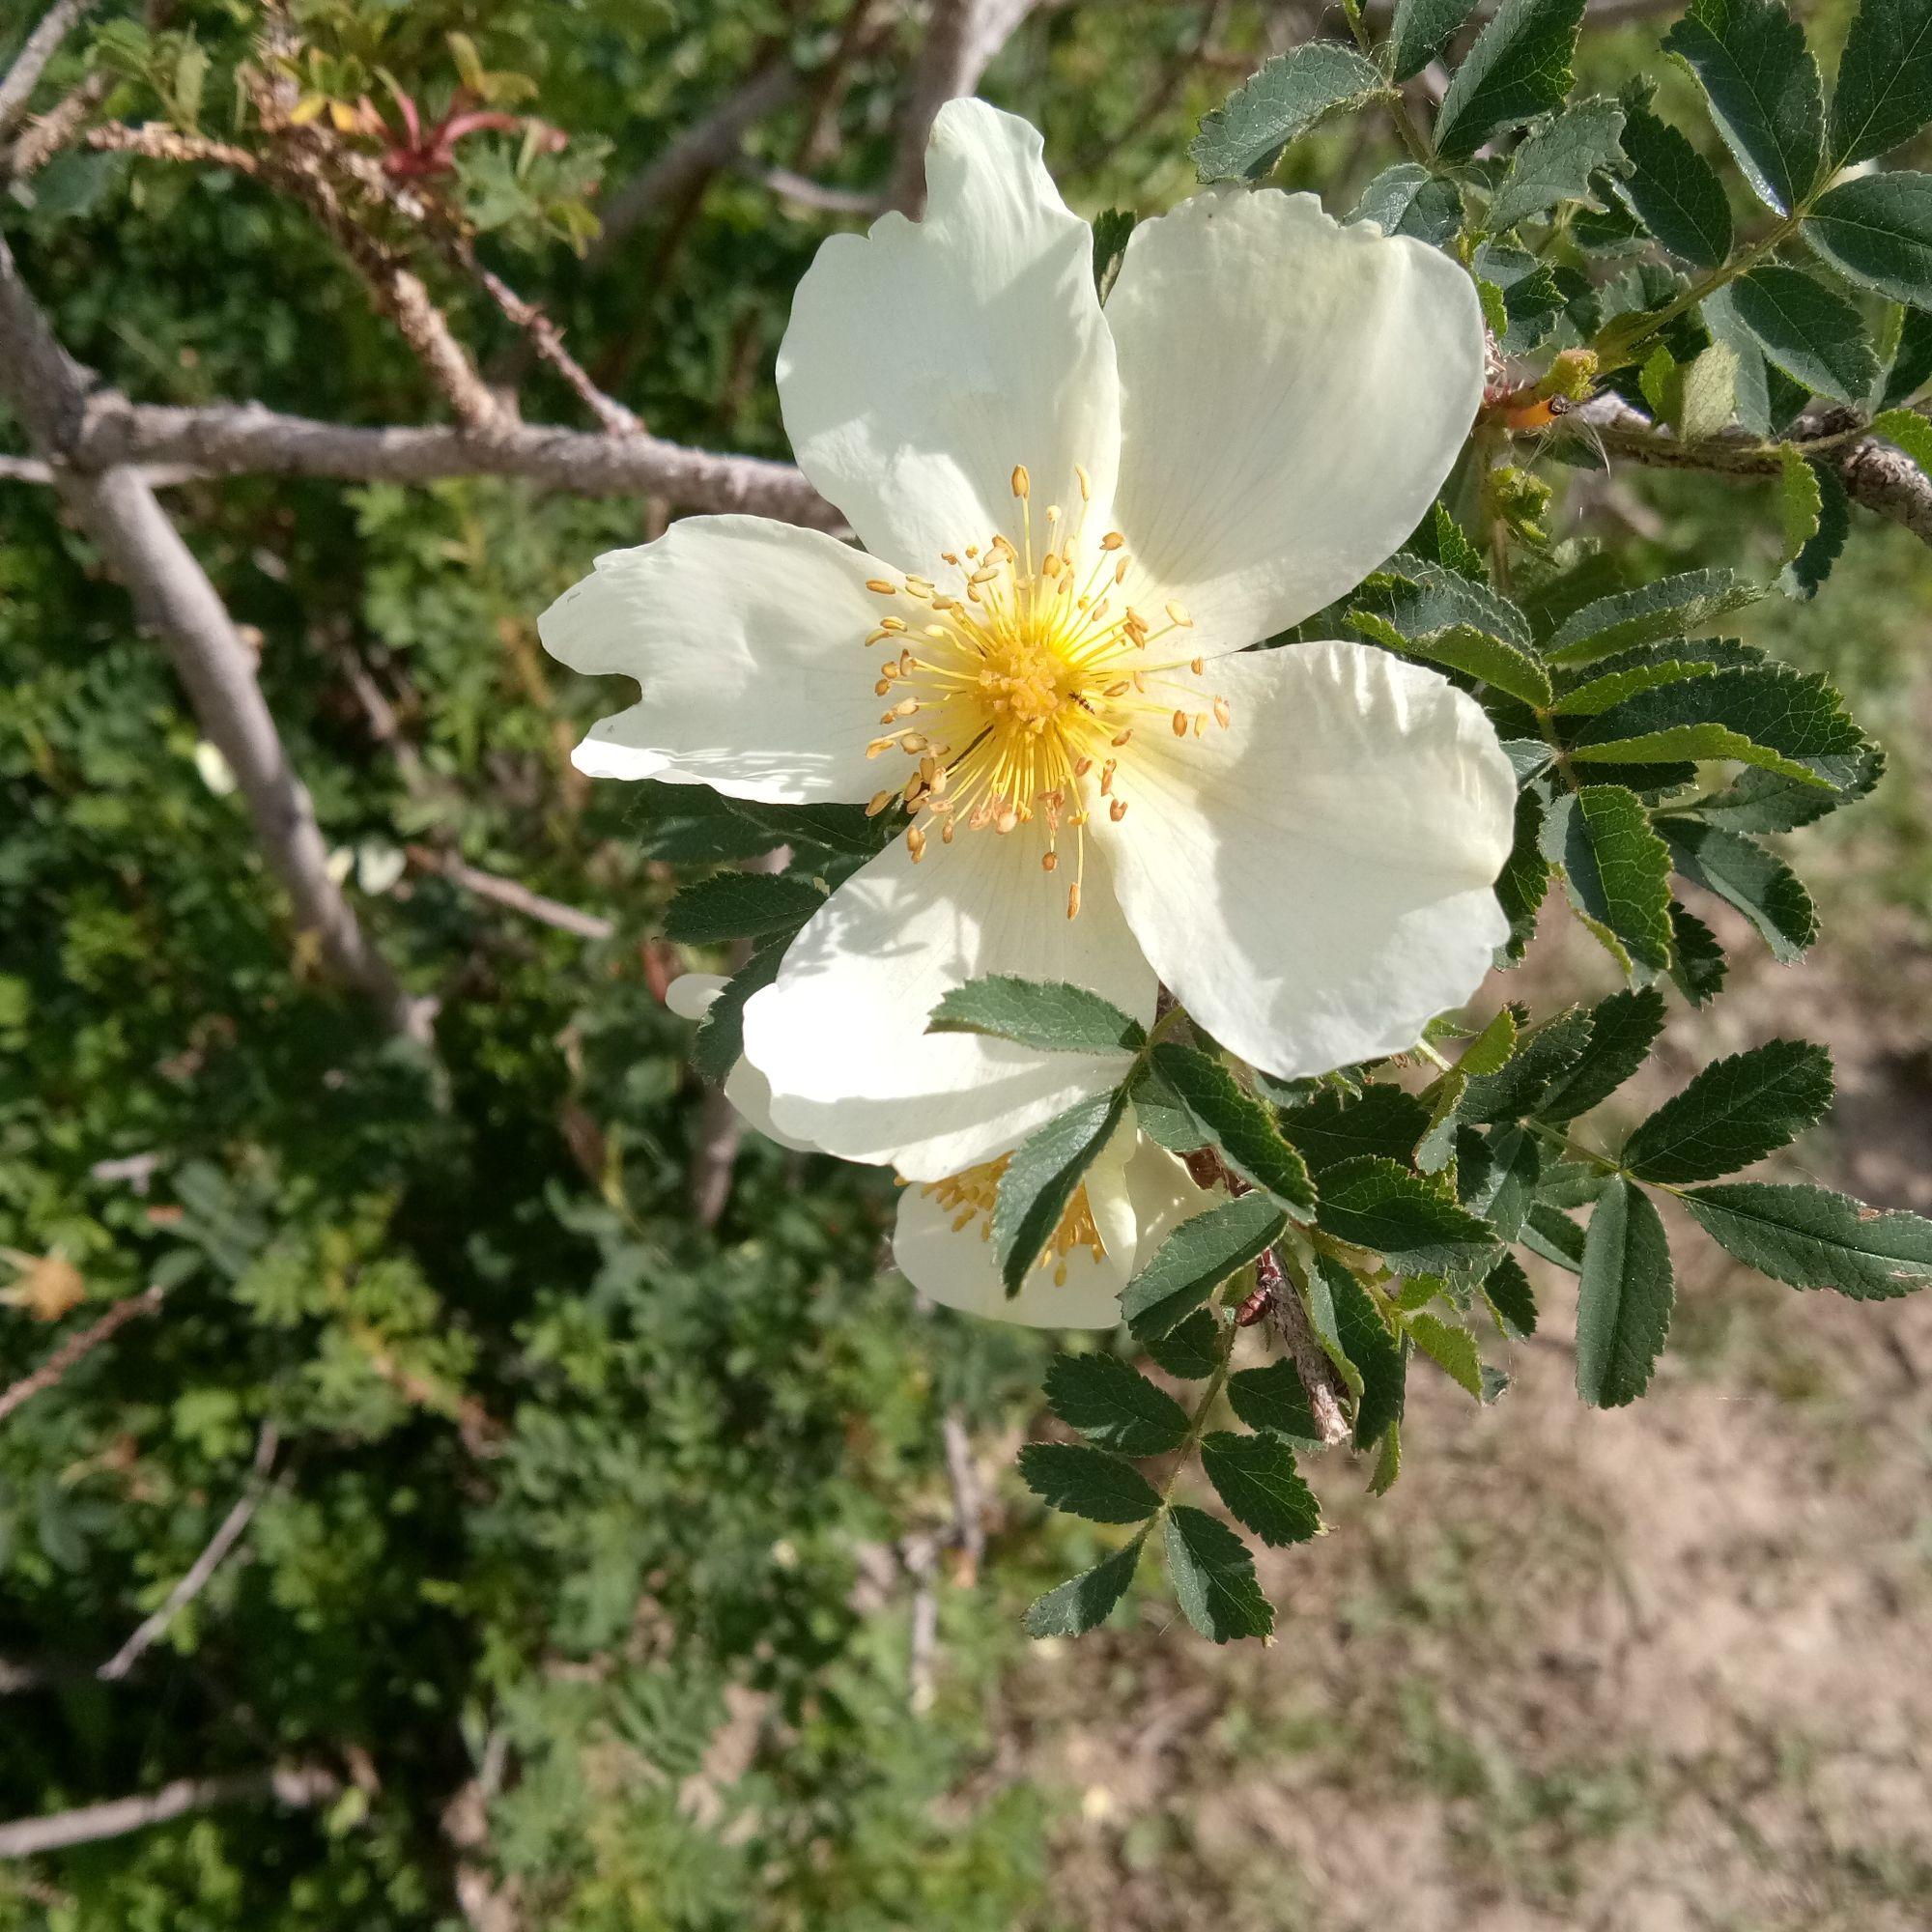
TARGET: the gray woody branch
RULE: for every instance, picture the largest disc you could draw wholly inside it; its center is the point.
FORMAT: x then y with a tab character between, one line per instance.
963	39
293	1785
116	507
16	86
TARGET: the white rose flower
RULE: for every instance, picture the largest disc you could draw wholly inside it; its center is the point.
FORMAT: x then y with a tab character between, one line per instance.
1072	522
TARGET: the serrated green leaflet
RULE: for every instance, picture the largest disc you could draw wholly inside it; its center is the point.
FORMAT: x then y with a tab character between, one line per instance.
1323	1320
1335	1127
1518	68
1667	608
1377	1360
1372	1204
1242	138
1735	1111
1555	162
1506	1188
1877	232
1910	431
1763	90
1616	871
1810	331
1041	1179
1623	1297
1273	1398
1586	701
1191	1350
1051	1015
1407	199
1112	229
1087	1481
1831	524
1256	1477
1554	1236
838	828
1525	880
1085	1601
1911	361
1421	30
1883	91
1765	714
1673	191
1418	597
1461	646
1542	1056
720	1034
1196	1259
1742	874
1699	966
1489	1052
1213	1577
1622	1031
1761	801
1240	1125
1113	1405
1451	1348
740	905
1511	1299
1812	1238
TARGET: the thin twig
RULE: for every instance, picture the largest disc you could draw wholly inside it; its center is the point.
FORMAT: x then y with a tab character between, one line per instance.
73	1351
1311	1367
204	1566
969	1503
17	84
47	135
173	598
508	893
294	1786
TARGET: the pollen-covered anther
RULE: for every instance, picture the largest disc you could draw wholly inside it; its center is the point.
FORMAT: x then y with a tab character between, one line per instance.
1224	715
915	843
1116	809
1180	724
1022	482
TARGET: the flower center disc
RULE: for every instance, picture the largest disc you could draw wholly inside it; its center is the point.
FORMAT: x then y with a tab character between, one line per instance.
1027	684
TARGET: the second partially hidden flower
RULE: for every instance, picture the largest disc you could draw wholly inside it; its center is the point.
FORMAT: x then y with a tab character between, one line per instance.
1073	522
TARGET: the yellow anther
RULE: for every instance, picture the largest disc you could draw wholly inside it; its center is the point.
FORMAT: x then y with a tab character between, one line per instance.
1086	484
1120	571
877	746
1112	540
946	833
1048	860
919	586
892	623
1199	722
884	685
1073	900
878	802
1197	666
1022	482
1177	610
1107	772
1223	716
881	587
1119	738
914	743
1007	821
1081	766
1118	809
1053	513
946	557
916	844
1180	724
905	707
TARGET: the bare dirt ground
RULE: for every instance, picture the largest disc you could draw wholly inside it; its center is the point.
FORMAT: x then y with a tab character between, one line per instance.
1656	1670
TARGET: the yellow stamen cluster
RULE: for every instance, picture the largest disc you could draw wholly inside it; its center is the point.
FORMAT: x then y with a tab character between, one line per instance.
970	1196
1018	681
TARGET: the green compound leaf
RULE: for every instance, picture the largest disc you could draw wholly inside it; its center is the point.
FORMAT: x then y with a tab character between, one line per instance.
1654	668
1378	1362
1372	1204
1734	1112
1213	1575
1420	598
1911	361
1421	31
1812	1238
1451	1350
719	1043
1114	1405
1256	1477
1407	199
1086	1601
1518	68
1239	1124
1741	873
1505	1188
1763	88
1877	232
1809	331
1087	1481
1273	1398
1381	1119
1623	1299
1463	647
1622	1031
1883	92
740	905
1762	714
1824	494
1761	801
1698	970
1283	99
1196	1259
1052	1015
1041	1180
1672	607
1191	1350
1616	871
1555	162
1673	191
1544	1055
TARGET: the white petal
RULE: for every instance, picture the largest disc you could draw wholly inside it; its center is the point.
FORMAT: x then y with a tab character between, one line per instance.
841	1033
1163	1194
925	360
1315	882
748	638
691	994
1293	393
961	1271
750	1092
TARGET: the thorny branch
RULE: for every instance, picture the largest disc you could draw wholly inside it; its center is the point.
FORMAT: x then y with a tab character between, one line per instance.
17	84
75	1348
